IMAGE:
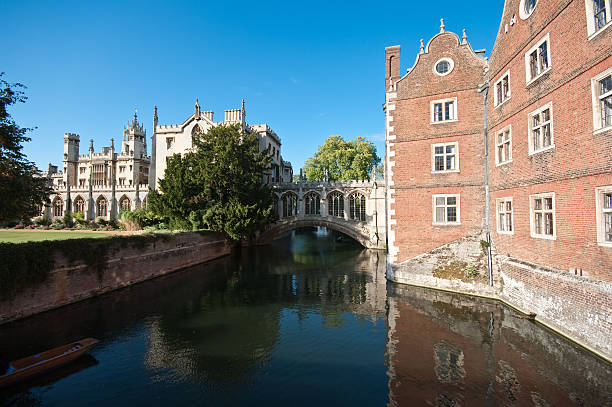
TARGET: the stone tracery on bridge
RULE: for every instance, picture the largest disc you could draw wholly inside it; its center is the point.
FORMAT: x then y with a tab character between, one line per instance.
355	208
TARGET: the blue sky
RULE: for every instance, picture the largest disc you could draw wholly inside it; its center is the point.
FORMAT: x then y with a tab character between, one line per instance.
308	69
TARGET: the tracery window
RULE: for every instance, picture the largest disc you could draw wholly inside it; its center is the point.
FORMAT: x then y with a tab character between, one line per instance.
58	207
124	203
357	204
194	133
102	206
289	205
335	204
312	203
79	204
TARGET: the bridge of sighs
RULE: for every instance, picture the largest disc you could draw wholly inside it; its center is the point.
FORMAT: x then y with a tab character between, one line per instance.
355	208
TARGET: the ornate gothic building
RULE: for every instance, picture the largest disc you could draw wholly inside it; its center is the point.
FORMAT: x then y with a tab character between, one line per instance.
102	184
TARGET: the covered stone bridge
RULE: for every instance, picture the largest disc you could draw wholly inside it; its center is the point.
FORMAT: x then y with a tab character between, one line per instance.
355	208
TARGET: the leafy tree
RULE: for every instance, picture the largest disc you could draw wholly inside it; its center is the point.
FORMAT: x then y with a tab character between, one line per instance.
343	160
217	185
21	190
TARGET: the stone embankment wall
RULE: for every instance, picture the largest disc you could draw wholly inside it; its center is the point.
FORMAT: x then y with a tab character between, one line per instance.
578	307
125	264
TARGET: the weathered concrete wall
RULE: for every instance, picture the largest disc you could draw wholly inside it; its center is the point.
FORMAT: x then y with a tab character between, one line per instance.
578	307
70	282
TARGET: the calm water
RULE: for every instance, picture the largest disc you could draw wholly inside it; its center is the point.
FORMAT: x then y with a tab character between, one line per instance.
307	321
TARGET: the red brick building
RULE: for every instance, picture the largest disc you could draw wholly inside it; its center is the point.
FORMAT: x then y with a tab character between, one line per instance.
540	169
434	132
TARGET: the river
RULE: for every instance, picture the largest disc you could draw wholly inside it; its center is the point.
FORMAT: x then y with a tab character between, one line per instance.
308	320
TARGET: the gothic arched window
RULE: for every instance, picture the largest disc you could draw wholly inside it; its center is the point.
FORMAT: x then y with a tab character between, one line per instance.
289	205
102	206
197	130
312	203
58	206
124	203
357	204
335	204
79	204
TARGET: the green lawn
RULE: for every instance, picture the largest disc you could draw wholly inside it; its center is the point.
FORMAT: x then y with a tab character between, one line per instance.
20	236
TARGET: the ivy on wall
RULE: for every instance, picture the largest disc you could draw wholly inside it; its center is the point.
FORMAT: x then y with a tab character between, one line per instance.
27	265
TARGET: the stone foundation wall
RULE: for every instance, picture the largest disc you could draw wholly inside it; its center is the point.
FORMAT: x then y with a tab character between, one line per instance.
459	266
578	307
69	282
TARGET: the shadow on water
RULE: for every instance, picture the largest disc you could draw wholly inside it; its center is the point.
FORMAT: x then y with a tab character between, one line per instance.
307	320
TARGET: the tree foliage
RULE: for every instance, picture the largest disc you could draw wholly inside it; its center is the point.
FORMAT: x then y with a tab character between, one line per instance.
343	160
217	186
21	191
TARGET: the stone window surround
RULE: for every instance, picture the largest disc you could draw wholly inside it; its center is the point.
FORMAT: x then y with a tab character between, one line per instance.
597	127
433	157
599	194
523	13
446	196
590	18
432	105
504	200
451	64
532	225
496	102
529	79
539	110
498	162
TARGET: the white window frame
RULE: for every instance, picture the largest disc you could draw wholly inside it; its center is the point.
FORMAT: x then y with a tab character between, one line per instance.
532	216
433	157
590	17
528	78
498	161
458	206
496	101
530	126
597	122
599	195
432	115
505	201
524	14
451	66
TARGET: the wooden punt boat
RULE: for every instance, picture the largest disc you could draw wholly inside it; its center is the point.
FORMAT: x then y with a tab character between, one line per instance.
36	364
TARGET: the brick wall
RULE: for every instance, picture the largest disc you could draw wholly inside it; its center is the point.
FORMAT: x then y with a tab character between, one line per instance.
580	160
125	266
413	134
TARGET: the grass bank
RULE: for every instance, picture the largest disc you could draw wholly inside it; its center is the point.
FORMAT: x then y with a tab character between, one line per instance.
21	236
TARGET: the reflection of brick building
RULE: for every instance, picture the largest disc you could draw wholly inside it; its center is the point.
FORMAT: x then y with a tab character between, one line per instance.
540	171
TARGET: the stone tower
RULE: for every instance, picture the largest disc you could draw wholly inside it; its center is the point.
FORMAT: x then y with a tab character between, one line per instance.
134	139
71	157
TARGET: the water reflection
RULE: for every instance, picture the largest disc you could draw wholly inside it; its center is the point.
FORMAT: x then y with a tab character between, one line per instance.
309	320
450	350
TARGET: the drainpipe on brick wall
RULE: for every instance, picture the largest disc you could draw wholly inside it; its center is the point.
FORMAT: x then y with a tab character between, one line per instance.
484	89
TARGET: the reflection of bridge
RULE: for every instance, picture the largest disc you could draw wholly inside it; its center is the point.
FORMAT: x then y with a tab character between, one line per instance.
355	208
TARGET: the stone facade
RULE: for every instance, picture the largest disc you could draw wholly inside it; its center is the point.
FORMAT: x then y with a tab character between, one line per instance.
533	159
178	139
101	184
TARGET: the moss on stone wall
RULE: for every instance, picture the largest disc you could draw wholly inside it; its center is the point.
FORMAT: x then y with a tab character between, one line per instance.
27	265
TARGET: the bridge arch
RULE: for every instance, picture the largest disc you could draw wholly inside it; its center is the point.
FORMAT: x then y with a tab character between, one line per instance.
348	228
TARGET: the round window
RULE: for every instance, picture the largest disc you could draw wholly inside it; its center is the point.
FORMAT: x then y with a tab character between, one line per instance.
444	66
526	8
